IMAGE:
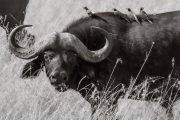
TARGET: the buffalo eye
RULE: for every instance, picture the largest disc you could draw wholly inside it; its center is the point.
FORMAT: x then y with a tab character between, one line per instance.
70	57
72	60
47	58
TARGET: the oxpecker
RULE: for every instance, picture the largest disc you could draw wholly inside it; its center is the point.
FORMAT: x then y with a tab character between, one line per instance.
120	14
143	15
132	16
90	13
94	15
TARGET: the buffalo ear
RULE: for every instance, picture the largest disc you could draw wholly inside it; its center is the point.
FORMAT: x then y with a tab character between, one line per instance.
32	69
86	70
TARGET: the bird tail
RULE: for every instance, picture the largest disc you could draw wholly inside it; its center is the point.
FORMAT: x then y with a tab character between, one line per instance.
150	22
136	18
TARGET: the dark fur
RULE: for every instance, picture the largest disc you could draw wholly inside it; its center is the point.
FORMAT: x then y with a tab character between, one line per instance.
16	9
32	69
131	43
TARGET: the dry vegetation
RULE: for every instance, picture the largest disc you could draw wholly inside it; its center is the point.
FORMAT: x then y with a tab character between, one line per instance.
36	99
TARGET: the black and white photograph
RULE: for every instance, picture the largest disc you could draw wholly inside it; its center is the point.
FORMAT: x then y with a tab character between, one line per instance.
89	60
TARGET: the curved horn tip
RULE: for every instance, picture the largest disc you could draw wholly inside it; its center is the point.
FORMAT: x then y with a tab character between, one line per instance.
20	27
15	48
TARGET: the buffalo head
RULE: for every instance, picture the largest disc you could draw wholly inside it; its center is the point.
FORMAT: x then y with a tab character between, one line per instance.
60	54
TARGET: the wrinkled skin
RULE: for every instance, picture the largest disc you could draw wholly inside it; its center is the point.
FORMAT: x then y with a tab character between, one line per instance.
58	66
131	43
61	67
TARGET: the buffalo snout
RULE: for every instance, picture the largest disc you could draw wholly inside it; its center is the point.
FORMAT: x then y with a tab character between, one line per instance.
59	77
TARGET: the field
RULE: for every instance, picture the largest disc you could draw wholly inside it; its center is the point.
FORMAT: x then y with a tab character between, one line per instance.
36	99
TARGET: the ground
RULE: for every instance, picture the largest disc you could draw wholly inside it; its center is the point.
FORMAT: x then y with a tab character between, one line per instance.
36	99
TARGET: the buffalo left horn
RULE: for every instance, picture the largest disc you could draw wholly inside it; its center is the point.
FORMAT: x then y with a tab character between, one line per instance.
48	42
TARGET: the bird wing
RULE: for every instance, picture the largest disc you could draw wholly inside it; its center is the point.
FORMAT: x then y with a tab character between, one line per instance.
89	12
130	16
135	17
145	14
119	13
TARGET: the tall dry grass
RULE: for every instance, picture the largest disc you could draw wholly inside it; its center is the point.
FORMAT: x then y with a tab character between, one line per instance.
36	99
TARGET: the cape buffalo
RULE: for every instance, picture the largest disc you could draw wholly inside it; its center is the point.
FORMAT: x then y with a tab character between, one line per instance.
80	50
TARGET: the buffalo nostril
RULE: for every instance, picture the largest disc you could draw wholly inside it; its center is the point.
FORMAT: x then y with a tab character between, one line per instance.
64	76
53	79
54	76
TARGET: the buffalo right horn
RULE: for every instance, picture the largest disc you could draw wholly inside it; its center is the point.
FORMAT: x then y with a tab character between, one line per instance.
74	44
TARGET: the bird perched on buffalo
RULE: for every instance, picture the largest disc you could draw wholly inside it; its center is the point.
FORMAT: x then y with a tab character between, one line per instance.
120	14
132	16
94	15
143	15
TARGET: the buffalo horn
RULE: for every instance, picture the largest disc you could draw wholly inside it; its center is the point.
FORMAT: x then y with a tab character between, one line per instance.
48	42
65	41
91	56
